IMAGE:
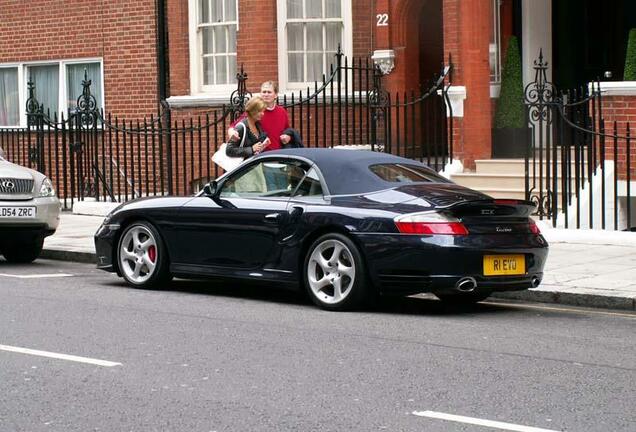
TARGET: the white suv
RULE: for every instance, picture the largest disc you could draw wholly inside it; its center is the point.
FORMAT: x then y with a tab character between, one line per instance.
29	211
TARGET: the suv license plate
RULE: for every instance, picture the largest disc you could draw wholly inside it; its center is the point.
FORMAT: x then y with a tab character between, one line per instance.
17	212
501	265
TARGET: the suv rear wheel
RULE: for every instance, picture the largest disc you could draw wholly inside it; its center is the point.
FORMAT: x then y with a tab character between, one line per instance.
23	251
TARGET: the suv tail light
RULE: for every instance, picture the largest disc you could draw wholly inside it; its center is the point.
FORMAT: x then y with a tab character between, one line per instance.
429	223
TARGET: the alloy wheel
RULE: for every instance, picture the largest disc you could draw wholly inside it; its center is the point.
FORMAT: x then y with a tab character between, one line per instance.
331	271
138	254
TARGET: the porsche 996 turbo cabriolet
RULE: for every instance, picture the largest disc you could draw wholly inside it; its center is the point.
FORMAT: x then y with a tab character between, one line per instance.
346	226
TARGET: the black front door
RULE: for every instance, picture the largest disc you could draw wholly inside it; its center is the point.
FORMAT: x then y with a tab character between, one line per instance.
590	39
240	226
230	232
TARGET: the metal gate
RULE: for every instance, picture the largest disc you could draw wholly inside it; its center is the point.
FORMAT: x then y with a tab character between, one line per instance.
578	169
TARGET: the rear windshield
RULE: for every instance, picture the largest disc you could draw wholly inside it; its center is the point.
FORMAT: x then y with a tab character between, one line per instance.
402	173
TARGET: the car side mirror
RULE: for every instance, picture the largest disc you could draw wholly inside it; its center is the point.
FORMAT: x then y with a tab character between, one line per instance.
210	189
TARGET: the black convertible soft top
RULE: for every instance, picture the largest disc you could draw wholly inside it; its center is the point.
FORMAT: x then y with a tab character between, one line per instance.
347	171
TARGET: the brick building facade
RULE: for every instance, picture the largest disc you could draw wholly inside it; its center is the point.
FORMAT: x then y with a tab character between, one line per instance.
192	62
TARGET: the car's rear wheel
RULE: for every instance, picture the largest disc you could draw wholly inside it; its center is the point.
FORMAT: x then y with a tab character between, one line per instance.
334	273
142	257
463	299
23	251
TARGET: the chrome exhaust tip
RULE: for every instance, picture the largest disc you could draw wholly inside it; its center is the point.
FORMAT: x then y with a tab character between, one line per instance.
467	284
535	281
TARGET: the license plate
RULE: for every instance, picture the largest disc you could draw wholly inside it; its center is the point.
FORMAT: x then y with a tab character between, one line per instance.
501	265
17	212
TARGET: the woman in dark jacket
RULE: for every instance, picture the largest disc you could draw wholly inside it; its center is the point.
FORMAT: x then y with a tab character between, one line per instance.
256	140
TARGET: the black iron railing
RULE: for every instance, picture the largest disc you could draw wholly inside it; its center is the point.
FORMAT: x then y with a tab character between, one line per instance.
578	170
89	153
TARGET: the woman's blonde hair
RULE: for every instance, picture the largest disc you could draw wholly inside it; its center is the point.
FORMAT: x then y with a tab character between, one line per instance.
255	105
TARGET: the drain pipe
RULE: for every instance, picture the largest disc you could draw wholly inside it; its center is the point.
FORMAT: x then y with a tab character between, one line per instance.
162	57
163	71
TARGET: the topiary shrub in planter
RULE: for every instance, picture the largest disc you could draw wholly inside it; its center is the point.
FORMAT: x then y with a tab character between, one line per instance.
510	130
630	57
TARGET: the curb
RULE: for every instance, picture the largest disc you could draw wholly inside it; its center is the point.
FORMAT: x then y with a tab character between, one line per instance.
73	256
570	299
93	208
535	296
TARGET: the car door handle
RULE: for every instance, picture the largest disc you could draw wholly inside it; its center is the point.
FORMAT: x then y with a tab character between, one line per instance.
272	217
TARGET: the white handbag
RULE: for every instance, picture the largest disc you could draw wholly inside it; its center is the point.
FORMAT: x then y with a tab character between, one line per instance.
228	163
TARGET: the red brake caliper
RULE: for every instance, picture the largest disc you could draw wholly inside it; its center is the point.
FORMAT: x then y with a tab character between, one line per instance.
152	253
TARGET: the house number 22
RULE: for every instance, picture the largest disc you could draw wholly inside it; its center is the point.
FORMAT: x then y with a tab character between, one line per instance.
383	19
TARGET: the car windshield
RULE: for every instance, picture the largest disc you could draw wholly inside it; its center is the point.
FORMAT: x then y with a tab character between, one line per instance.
403	173
268	178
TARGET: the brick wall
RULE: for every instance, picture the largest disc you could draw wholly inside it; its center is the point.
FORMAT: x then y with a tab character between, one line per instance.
119	31
178	47
363	27
257	41
622	110
451	36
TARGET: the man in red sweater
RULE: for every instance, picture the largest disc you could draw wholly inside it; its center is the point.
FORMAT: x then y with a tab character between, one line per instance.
275	119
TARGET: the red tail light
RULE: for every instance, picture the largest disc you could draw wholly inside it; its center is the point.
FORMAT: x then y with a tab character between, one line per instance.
429	223
534	229
506	202
451	228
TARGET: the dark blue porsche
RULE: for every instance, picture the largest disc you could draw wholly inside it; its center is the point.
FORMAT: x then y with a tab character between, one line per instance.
344	225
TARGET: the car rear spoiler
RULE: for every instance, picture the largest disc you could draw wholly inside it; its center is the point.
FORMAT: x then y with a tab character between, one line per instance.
492	207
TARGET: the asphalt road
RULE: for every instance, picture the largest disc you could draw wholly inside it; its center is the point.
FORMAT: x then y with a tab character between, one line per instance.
227	357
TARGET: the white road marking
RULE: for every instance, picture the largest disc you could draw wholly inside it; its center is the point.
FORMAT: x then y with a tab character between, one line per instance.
59	356
561	309
480	422
37	276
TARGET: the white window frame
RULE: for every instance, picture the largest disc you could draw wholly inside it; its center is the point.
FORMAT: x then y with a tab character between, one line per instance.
195	50
23	92
283	69
21	85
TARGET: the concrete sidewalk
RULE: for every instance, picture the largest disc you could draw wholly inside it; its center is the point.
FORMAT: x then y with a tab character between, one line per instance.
585	267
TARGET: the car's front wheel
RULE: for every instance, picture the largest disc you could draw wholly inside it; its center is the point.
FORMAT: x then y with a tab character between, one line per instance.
142	257
23	251
334	273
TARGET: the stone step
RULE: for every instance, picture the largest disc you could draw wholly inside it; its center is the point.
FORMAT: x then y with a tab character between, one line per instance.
499	166
481	181
509	166
504	193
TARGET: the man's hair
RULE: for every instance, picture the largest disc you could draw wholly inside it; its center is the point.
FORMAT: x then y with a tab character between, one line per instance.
255	105
272	84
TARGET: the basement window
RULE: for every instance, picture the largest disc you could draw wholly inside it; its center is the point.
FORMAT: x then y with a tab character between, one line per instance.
58	84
